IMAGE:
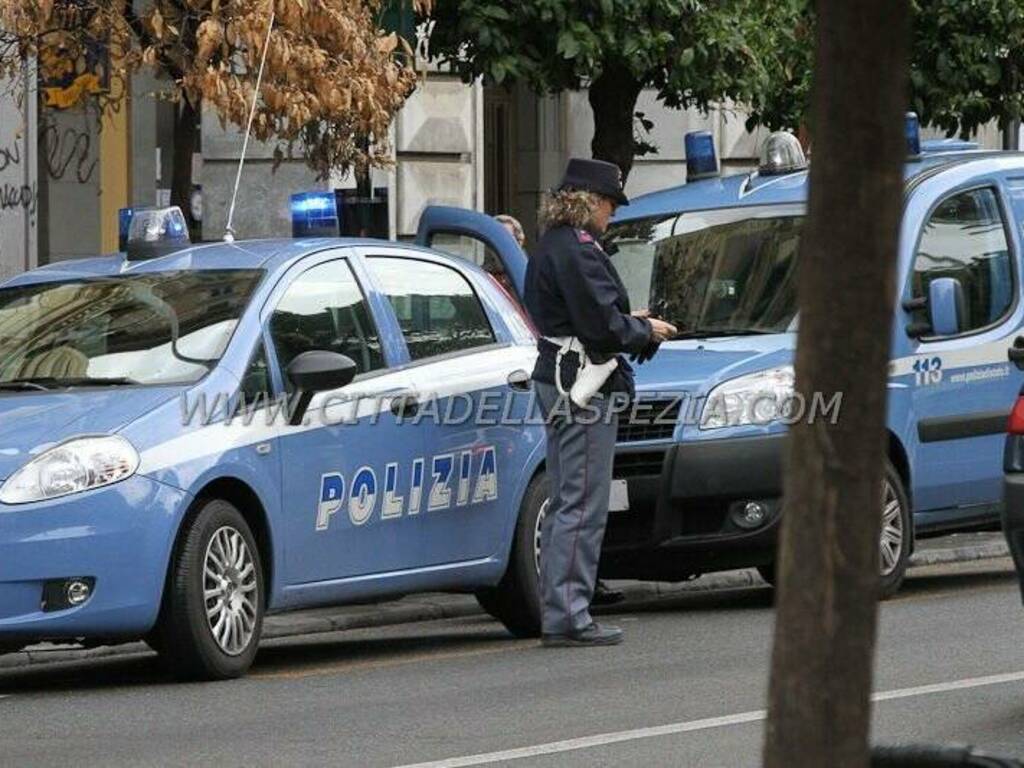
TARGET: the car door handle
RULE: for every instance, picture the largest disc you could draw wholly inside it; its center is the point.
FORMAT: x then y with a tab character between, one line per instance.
405	405
519	380
1016	352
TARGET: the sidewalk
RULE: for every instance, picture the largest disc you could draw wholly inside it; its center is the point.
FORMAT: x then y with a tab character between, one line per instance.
957	548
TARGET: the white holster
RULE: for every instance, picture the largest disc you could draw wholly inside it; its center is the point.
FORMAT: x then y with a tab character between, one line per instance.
590	376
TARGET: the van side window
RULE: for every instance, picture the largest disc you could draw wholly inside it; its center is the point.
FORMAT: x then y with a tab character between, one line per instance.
965	239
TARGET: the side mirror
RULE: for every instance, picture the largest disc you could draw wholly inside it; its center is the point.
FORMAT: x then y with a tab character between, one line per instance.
317	371
946	306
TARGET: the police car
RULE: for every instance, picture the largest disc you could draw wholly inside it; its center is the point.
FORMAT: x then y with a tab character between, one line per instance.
194	436
698	465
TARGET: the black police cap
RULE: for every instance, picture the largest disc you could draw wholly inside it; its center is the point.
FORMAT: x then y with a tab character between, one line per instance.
594	176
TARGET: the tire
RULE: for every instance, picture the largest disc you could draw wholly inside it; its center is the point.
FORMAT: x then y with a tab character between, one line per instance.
515	601
894	568
216	552
897	537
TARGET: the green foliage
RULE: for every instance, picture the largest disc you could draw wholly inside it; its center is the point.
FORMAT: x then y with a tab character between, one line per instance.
968	61
694	52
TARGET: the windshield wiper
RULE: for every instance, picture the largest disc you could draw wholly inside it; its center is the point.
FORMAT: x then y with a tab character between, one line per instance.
22	385
711	333
46	383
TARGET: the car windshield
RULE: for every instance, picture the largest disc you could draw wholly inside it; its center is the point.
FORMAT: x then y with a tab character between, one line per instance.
722	272
161	328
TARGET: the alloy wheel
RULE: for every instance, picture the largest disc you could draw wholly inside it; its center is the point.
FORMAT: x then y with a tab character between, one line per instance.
230	590
890	543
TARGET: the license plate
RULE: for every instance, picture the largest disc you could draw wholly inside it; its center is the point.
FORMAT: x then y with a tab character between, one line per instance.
618	498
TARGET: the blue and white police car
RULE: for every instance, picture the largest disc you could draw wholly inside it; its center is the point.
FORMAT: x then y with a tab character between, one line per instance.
698	475
191	437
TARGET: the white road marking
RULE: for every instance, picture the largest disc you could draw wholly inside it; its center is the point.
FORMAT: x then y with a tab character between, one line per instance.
603	739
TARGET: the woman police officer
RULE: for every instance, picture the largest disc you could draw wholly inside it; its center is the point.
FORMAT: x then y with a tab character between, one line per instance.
576	298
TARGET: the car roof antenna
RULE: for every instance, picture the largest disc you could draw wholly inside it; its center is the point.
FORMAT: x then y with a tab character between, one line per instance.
229	232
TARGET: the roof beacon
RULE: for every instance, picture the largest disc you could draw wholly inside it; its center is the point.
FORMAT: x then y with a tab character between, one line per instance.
124	220
781	153
701	162
154	232
912	130
315	214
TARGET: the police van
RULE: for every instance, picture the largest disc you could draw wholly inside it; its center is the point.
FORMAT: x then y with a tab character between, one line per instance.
192	436
698	474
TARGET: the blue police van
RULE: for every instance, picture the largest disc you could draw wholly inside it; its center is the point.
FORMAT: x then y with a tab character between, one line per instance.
191	437
698	474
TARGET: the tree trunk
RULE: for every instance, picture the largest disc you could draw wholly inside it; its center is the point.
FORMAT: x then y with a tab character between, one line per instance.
819	696
1010	128
613	98
186	141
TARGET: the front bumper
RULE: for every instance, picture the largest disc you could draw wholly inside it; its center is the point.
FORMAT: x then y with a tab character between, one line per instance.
120	535
681	497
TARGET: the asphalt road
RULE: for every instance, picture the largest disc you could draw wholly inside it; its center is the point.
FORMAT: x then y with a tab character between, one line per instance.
686	689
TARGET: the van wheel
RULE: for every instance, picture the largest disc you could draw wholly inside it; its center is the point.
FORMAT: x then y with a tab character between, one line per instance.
895	539
897	535
212	616
515	601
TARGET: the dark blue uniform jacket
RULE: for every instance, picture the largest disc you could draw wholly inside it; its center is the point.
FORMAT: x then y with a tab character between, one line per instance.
572	289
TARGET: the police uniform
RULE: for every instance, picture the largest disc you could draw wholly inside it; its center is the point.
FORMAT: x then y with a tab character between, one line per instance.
573	290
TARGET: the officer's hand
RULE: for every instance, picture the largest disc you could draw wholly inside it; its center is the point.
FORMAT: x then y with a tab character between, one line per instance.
661	331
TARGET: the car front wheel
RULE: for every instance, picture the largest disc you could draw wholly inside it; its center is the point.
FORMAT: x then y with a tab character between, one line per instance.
212	616
895	538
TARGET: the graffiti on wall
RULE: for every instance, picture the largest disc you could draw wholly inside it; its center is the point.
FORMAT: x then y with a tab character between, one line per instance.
22	197
67	149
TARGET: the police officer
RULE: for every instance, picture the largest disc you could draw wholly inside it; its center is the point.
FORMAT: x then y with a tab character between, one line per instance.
576	297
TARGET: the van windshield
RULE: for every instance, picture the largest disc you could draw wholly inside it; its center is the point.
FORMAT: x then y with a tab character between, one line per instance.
723	272
160	328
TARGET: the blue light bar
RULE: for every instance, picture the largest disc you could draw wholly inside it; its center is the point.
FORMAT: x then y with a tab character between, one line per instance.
947	145
315	214
701	162
912	131
124	220
154	232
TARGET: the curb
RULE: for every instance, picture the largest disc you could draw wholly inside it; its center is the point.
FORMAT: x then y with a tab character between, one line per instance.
450	607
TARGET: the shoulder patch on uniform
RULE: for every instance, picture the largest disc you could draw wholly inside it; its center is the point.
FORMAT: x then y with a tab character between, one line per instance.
583	236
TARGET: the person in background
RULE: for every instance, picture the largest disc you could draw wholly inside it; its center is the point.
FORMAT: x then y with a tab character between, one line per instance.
576	299
511	223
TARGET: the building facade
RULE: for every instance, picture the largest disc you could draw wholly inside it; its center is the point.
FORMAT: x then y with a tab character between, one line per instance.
64	174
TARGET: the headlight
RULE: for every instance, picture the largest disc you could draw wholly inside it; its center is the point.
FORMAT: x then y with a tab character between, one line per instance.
757	398
74	466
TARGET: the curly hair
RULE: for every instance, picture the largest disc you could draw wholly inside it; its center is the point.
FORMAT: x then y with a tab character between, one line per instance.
573	207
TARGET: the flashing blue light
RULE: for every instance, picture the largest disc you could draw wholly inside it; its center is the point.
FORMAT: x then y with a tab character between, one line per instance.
912	131
701	162
154	232
124	220
947	145
315	214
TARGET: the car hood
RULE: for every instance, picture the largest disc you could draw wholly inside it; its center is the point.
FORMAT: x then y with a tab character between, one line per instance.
696	365
30	422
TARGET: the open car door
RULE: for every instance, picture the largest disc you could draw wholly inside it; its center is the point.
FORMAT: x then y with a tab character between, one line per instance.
475	237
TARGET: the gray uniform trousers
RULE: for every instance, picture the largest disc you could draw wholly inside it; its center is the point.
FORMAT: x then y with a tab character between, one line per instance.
580	451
